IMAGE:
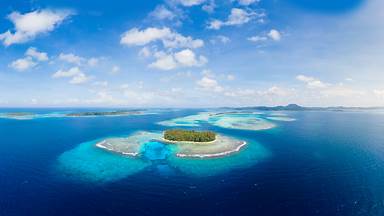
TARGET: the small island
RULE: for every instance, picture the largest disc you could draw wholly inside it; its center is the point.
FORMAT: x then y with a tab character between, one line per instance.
19	114
105	113
189	135
182	143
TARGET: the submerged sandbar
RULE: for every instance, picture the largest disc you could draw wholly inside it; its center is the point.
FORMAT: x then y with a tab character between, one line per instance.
220	147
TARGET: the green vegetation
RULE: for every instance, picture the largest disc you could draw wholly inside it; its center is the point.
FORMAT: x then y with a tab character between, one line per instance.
105	113
17	114
189	135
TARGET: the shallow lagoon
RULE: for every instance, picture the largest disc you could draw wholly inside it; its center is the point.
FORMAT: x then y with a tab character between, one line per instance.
112	159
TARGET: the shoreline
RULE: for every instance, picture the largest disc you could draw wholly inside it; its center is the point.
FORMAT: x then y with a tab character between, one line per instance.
184	142
213	155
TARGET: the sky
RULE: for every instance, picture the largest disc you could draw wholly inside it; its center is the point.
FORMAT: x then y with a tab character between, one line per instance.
191	53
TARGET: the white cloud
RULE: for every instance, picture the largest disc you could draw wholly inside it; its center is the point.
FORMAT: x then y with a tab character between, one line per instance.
29	25
23	64
145	52
274	35
247	2
209	7
79	79
236	17
188	58
166	62
257	39
183	58
311	82
32	56
189	3
76	75
209	84
71	58
162	13
101	83
40	56
138	37
220	38
69	73
170	39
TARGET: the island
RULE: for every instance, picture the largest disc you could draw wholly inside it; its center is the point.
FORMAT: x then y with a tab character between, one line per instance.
189	135
19	114
175	142
106	113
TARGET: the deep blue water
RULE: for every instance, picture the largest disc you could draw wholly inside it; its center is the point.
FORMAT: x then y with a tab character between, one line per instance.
325	163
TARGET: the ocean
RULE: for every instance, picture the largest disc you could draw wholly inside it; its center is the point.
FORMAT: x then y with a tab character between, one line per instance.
324	163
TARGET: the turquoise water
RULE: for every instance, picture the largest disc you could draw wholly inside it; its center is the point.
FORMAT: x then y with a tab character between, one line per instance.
88	163
155	151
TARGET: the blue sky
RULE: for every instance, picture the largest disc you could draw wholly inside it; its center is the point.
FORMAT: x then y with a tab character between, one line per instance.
191	53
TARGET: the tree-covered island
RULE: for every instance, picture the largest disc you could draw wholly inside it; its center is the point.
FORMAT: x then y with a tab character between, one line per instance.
189	135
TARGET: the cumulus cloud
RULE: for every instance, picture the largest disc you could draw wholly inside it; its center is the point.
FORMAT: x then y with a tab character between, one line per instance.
29	25
311	82
139	37
31	59
274	35
236	17
40	56
247	2
76	75
145	52
162	13
220	38
67	73
257	38
188	58
23	64
177	48
189	3
170	39
79	79
165	62
183	58
209	84
209	7
71	58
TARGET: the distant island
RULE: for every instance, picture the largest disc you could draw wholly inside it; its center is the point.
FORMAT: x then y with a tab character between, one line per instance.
18	114
189	135
295	107
106	113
